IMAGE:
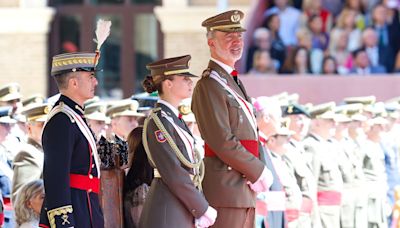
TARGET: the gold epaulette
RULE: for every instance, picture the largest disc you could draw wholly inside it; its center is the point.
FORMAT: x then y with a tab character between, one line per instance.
60	108
206	73
60	211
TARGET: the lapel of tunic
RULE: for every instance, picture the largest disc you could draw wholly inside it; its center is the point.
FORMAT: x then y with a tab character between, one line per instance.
238	88
180	124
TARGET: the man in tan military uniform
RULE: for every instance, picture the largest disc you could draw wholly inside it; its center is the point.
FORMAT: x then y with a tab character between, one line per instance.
10	95
123	115
113	153
325	164
298	119
278	145
375	174
270	205
28	163
95	114
354	200
234	172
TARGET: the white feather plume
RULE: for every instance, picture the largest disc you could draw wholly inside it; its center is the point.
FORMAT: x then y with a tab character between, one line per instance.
102	32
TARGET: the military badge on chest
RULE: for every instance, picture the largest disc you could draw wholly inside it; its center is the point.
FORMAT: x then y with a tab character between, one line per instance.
160	136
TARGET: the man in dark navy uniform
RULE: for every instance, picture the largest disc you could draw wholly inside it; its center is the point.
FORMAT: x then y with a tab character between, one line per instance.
71	164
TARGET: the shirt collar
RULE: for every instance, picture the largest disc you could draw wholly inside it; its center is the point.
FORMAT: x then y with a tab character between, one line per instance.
173	109
227	68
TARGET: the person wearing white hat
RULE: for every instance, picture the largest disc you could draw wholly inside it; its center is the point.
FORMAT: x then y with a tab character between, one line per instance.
375	173
95	115
324	163
28	163
278	144
6	157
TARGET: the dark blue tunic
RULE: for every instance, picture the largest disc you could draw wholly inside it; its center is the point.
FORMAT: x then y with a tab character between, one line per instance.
66	151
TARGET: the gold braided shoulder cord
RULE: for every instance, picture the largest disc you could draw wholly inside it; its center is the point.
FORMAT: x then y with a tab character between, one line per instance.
199	166
56	110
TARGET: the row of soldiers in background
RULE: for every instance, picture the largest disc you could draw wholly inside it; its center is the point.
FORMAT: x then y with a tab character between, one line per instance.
334	166
21	153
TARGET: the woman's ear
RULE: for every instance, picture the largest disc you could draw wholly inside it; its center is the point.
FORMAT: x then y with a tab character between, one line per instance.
28	204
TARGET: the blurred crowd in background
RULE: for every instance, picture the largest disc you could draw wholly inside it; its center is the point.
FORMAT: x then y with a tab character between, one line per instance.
327	37
338	163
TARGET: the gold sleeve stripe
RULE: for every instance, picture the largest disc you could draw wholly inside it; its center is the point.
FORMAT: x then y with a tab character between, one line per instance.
64	211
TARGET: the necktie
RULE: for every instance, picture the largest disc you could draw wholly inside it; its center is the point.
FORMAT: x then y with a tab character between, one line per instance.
234	74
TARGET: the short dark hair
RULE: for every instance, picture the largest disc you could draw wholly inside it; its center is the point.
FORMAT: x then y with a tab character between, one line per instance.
356	52
62	79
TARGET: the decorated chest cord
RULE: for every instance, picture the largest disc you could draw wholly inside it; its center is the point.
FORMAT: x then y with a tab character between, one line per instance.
198	166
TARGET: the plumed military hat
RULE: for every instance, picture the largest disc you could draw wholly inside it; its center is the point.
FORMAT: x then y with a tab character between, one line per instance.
10	92
33	99
323	111
125	107
72	62
36	112
171	66
294	109
225	22
5	113
96	111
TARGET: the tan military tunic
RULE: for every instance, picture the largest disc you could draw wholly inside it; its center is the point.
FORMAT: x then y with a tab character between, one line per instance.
292	190
173	200
27	165
306	181
330	184
376	183
222	124
354	201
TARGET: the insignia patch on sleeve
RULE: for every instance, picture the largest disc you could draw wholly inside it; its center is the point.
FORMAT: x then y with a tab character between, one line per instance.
160	136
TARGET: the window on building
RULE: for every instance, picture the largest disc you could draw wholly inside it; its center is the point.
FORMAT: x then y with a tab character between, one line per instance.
135	40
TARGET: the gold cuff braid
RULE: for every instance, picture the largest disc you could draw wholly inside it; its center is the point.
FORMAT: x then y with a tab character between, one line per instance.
59	211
